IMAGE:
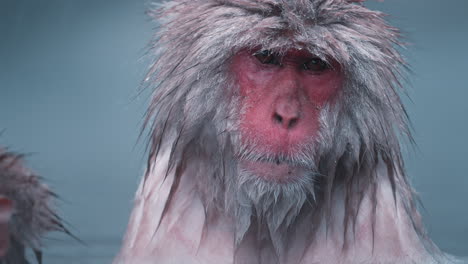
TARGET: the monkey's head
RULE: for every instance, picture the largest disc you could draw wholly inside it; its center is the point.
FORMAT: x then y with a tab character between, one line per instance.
278	102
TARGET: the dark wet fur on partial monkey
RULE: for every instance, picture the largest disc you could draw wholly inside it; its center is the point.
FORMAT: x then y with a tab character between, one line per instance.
33	214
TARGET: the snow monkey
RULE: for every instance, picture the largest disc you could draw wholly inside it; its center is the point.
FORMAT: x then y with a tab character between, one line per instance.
25	211
275	130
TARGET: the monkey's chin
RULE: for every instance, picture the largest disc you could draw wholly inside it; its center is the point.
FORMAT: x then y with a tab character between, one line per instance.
273	172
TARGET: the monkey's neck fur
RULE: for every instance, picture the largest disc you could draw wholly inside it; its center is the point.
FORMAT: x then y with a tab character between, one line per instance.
183	231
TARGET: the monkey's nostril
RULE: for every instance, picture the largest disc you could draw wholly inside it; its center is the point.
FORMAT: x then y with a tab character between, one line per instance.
292	122
278	118
285	121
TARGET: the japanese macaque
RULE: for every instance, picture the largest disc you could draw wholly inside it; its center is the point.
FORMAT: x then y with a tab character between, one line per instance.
25	211
275	133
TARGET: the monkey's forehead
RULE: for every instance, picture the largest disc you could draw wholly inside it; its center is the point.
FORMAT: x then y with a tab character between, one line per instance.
342	29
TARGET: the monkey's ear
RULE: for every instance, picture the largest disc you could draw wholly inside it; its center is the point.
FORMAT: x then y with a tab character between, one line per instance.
6	209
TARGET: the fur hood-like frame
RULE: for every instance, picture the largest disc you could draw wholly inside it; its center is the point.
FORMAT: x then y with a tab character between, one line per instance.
193	46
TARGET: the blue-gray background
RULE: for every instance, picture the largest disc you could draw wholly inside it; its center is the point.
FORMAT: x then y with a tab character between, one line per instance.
69	75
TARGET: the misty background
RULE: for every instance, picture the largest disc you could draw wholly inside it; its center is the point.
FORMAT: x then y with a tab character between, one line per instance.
70	71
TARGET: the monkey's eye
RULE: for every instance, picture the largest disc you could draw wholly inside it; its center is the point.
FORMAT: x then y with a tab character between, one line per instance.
267	57
316	65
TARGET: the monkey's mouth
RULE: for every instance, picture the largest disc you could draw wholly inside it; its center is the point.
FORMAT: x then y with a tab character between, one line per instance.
281	171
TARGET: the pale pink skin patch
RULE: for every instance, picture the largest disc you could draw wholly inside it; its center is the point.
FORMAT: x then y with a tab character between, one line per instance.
281	103
6	208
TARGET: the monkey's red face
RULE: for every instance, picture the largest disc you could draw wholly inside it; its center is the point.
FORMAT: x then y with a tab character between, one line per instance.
281	100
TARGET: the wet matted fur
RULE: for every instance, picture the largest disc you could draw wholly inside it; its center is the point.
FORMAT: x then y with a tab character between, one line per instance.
194	113
33	215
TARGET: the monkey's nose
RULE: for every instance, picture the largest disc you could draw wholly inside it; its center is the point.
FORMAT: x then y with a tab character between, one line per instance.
286	114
